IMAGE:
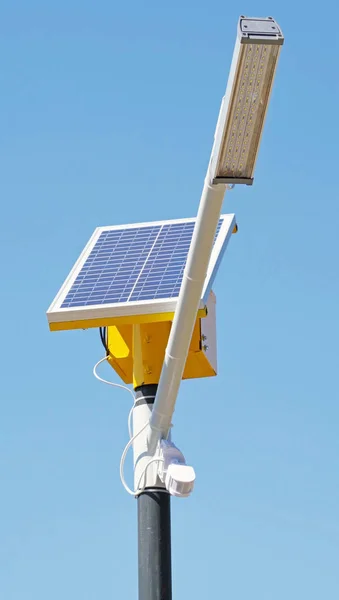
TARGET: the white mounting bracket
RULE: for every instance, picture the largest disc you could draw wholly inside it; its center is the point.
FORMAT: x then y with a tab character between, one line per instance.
174	473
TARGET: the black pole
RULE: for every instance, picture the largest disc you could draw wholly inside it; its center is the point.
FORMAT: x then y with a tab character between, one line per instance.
154	533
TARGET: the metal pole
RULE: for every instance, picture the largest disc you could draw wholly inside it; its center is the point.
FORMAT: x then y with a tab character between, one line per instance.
154	545
154	511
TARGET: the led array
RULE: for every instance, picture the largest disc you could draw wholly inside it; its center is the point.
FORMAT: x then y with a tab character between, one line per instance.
247	110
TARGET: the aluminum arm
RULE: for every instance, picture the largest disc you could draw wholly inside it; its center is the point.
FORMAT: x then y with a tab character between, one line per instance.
187	308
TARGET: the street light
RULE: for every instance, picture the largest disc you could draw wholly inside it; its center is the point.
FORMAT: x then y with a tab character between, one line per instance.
96	287
235	148
246	100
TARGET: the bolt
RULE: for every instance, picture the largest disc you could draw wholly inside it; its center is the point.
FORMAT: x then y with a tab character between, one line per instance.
205	347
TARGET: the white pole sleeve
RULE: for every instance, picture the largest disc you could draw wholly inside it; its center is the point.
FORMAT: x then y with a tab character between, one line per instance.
144	476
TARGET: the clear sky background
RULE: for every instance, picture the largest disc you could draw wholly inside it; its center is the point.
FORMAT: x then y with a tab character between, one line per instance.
107	114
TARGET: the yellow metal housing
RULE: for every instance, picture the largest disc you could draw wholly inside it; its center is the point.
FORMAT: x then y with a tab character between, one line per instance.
136	351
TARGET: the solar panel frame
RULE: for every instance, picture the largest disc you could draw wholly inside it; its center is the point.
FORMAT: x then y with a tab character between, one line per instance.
57	314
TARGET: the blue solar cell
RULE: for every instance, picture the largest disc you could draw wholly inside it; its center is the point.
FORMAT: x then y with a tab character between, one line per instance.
138	263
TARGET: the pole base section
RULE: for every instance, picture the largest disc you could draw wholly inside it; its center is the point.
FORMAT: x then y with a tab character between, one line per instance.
154	545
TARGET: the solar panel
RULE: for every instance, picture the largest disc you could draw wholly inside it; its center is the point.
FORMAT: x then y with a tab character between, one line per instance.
132	269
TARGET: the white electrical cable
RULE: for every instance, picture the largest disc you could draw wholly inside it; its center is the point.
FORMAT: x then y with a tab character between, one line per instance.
132	438
127	447
117	385
123	458
122	464
129	421
153	460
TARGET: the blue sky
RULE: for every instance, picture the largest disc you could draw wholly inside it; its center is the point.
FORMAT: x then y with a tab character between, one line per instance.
107	116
